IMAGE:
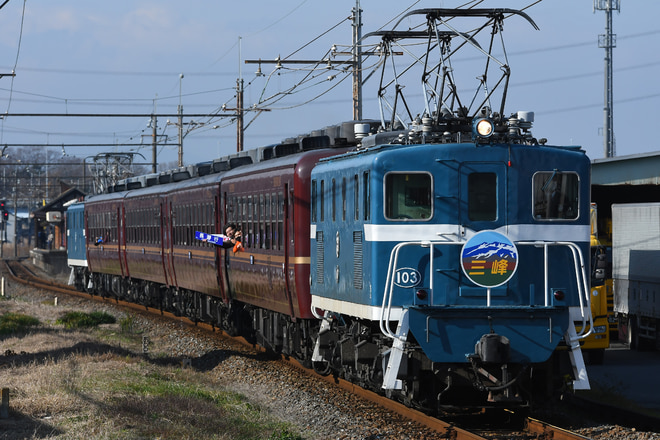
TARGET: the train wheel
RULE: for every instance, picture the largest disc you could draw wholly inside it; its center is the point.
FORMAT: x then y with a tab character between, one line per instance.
87	284
323	368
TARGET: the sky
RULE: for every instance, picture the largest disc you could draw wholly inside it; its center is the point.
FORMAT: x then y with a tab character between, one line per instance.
149	56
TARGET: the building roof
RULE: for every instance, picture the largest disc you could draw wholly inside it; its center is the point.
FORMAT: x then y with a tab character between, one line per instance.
634	169
59	203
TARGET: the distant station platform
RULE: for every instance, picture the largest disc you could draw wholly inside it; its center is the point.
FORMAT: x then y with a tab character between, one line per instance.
50	261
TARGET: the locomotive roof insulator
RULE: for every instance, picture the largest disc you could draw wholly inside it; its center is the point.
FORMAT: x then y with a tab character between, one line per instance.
427	124
525	120
361	131
520	124
514	129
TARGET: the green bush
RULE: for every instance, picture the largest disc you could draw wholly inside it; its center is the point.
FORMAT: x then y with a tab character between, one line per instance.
16	322
82	320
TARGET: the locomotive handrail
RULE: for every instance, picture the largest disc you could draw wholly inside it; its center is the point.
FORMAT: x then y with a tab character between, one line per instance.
580	277
389	283
579	267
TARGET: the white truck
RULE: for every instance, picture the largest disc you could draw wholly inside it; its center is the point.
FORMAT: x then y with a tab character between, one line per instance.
636	272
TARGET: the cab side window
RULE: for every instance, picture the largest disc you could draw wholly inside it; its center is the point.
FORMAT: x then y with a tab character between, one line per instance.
408	196
555	195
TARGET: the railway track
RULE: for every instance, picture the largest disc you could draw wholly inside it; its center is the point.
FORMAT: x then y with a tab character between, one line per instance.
522	429
20	273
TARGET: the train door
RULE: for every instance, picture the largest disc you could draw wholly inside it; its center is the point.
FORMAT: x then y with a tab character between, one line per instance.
289	248
279	239
220	211
167	247
276	243
483	195
121	241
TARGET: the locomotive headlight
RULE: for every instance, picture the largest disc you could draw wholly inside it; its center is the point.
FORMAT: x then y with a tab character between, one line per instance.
482	128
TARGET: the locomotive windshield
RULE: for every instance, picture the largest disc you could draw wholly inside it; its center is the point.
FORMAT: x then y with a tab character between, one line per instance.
555	195
408	196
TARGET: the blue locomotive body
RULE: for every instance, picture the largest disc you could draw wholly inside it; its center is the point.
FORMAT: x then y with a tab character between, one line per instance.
76	248
389	225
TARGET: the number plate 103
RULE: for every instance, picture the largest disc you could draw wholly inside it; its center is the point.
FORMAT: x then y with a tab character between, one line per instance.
407	277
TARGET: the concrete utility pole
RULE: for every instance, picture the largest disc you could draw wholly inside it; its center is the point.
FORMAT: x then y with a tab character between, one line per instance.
239	101
154	144
357	62
15	224
239	115
180	124
608	41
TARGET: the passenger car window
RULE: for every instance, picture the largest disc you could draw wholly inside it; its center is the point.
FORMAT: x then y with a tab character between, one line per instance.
408	196
555	195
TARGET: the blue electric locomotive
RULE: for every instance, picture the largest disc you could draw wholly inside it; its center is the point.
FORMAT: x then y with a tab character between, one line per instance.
76	244
448	257
391	228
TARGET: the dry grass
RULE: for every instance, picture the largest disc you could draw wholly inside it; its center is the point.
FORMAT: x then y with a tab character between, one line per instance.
96	384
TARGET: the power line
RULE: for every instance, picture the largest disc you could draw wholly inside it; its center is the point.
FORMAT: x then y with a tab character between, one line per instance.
57	164
18	51
68	145
120	73
114	115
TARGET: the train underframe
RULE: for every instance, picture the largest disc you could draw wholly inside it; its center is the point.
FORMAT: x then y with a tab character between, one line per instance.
357	351
352	349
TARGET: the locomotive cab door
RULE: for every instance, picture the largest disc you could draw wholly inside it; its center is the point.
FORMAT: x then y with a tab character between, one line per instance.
483	195
483	205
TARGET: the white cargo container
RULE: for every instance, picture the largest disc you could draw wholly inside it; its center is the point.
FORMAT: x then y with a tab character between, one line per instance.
636	272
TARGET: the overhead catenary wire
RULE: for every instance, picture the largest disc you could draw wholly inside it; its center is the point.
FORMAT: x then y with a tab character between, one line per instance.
128	101
18	51
303	87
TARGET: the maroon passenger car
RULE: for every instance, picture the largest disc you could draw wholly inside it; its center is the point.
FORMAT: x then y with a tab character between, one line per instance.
105	234
269	201
148	252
